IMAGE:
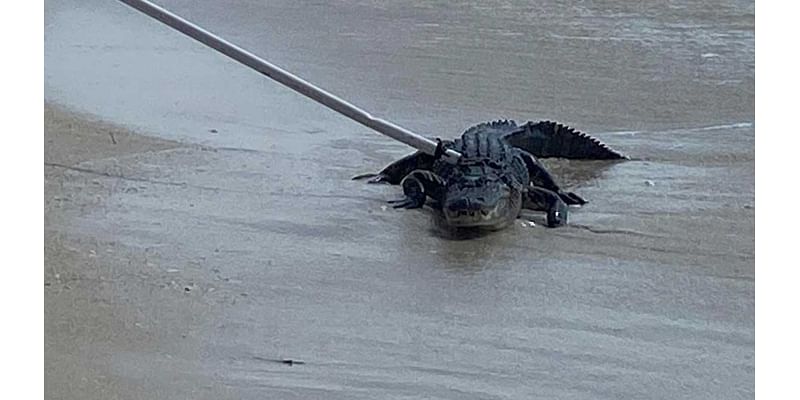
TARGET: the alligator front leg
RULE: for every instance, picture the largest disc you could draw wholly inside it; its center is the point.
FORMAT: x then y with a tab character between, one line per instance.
540	177
417	186
541	199
395	172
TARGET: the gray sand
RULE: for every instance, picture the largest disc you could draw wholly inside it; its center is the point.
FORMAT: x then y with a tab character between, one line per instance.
183	263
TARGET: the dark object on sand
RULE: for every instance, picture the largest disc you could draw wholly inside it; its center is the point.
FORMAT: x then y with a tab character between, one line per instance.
497	175
287	361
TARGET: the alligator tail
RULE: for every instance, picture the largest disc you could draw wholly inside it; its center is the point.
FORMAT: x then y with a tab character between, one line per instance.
550	139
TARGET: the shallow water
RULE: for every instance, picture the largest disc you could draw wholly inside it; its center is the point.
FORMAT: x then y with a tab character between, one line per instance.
649	293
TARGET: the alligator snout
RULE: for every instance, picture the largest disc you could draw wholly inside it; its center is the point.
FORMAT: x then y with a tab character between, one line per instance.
473	214
466	204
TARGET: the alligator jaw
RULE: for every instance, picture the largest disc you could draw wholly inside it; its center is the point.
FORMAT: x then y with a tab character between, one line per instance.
478	218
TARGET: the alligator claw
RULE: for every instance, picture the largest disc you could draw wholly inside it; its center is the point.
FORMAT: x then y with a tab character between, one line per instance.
572	198
373	178
407	203
380	179
558	216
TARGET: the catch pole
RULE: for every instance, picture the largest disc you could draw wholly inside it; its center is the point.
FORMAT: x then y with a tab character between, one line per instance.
287	79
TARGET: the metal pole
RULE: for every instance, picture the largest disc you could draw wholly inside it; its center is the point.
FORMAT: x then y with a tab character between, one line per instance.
299	85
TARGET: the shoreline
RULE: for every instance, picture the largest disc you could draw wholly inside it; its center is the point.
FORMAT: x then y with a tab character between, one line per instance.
169	267
97	291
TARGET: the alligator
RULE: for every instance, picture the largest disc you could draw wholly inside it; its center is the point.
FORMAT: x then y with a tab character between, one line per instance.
498	174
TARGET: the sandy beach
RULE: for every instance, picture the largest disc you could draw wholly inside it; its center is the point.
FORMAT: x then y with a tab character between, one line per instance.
201	225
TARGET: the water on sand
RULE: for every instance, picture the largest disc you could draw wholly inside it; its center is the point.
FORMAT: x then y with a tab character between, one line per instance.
648	294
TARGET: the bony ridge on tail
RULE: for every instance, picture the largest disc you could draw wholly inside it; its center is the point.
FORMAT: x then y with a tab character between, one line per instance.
498	175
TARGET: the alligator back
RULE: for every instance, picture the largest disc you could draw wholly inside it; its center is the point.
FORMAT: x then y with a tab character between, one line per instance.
547	139
485	145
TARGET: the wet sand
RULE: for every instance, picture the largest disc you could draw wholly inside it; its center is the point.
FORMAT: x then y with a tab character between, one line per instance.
181	262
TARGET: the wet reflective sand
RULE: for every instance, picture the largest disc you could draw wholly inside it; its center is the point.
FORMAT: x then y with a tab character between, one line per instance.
183	266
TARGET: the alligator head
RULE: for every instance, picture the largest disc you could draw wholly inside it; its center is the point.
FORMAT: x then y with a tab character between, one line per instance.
477	195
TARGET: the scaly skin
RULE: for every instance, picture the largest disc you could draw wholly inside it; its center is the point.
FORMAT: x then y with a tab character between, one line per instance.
497	176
